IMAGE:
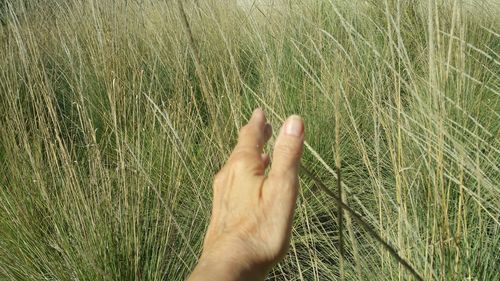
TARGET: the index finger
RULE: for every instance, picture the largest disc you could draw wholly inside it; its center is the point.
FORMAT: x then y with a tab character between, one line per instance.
255	134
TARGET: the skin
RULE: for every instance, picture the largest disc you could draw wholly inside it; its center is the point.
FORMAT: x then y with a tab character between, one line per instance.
250	226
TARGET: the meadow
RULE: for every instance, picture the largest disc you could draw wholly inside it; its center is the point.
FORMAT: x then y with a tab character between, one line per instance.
115	115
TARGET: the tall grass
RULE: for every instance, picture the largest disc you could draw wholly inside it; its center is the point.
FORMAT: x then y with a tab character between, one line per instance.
113	122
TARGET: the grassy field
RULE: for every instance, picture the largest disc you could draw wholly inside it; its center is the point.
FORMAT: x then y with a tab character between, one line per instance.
115	115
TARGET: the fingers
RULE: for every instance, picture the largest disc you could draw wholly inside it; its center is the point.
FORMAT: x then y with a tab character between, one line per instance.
288	150
246	156
255	134
281	187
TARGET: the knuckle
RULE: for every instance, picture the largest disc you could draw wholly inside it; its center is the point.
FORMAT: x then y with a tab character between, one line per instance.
284	181
287	150
244	161
218	178
240	163
245	130
239	155
218	181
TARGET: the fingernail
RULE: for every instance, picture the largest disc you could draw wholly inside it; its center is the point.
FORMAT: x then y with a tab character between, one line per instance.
294	126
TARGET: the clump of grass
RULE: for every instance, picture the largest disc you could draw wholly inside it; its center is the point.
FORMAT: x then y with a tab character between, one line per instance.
112	128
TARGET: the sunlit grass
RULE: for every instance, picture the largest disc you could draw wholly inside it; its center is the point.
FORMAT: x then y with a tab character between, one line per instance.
111	131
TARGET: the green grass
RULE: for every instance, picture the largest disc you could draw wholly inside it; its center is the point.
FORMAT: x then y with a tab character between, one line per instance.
112	124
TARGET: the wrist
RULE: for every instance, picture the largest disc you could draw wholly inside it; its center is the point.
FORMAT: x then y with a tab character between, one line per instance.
224	267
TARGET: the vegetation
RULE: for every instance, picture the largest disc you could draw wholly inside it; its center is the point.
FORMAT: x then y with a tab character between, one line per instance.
115	115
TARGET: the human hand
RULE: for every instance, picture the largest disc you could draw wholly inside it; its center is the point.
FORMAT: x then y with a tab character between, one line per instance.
252	213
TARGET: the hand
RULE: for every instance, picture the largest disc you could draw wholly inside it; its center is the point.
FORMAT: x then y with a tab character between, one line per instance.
252	214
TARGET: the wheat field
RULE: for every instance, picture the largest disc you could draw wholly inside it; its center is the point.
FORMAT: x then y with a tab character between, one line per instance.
115	115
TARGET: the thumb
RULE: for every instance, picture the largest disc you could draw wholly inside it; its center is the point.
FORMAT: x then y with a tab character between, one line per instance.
288	150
